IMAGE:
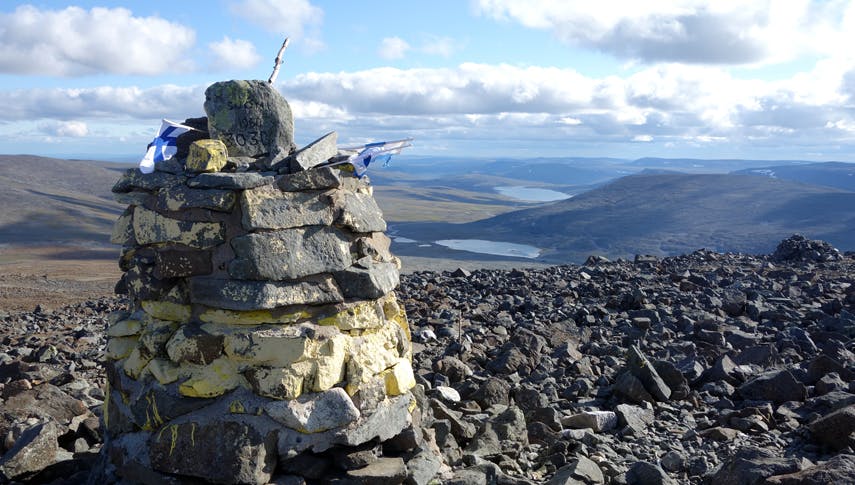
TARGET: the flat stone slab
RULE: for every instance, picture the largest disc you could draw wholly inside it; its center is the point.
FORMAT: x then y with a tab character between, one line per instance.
181	198
289	254
314	179
379	279
152	228
230	181
134	179
315	153
260	295
269	208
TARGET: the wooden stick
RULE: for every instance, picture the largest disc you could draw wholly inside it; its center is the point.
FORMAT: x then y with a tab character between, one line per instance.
278	62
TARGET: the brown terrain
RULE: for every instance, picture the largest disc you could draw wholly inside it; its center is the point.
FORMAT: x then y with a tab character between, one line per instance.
52	277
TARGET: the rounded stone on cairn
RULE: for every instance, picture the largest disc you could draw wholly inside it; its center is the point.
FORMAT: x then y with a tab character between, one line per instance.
250	117
207	156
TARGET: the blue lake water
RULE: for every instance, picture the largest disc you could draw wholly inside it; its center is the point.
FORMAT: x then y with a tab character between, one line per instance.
491	247
532	194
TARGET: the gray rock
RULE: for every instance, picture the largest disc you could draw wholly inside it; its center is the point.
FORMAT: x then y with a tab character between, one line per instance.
134	179
645	473
181	198
315	412
578	471
422	468
222	449
492	391
751	465
314	179
501	433
359	212
34	450
289	254
371	283
267	207
460	429
230	181
250	117
630	388
254	295
598	421
839	469
777	386
641	368
178	263
315	153
384	471
635	418
835	429
673	378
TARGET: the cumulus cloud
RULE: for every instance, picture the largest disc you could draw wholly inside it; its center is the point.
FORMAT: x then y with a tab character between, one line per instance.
692	31
76	42
665	105
103	102
291	18
234	54
74	129
393	48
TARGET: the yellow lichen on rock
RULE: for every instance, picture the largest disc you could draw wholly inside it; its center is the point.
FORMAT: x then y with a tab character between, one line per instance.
124	328
363	315
214	379
164	310
121	347
136	362
282	383
251	317
207	156
399	378
331	363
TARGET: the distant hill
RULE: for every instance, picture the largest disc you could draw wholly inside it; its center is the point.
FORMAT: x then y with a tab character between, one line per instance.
47	200
831	174
668	214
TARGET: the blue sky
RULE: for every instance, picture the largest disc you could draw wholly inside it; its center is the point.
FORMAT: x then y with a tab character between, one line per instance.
528	78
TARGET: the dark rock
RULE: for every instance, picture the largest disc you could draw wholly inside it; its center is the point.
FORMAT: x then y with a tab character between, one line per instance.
492	391
641	368
34	451
230	181
839	469
384	471
751	465
835	429
223	451
776	386
578	471
645	473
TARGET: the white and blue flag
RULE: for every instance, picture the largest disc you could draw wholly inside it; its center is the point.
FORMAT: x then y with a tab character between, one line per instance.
375	152
164	146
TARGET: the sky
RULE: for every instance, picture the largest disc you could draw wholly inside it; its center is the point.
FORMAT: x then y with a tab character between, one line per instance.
482	78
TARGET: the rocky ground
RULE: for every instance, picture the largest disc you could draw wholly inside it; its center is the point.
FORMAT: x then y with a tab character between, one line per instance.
702	368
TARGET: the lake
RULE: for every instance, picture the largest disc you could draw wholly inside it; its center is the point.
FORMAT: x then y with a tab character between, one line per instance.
491	247
532	194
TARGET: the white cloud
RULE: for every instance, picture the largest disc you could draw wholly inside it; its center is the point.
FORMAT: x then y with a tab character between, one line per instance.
694	31
234	54
296	19
76	42
393	48
73	129
642	138
104	102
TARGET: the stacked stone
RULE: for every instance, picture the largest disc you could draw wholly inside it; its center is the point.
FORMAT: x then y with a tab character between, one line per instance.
264	331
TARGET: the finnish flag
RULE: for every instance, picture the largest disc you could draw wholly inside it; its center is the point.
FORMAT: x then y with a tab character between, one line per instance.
164	146
376	152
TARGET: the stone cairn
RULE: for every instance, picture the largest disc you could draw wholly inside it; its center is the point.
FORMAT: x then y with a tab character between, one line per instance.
263	337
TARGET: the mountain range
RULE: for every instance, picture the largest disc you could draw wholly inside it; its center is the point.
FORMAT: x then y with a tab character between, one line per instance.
618	207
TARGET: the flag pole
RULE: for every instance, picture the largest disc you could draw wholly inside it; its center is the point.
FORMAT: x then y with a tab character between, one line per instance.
277	63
